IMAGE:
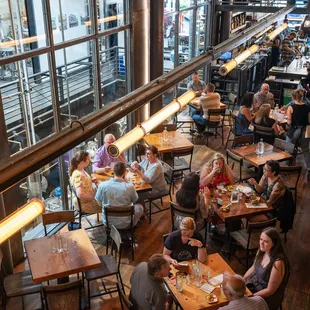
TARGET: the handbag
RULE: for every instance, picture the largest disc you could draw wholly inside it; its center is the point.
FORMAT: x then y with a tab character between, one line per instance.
307	132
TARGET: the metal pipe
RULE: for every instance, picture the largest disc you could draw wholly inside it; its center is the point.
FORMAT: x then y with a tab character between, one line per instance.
45	151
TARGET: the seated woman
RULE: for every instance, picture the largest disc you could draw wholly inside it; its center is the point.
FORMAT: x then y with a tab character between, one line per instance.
185	244
216	172
244	117
82	183
269	274
190	197
151	171
270	186
262	119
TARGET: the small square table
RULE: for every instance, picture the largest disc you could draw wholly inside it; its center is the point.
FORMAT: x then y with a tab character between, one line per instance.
45	265
196	105
248	153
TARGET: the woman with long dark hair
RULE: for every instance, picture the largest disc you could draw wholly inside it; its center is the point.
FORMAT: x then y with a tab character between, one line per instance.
190	197
270	271
244	117
82	183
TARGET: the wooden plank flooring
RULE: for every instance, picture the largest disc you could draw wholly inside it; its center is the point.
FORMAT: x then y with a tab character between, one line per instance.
149	241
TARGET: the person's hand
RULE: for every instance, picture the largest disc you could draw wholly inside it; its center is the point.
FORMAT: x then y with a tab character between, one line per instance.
271	96
216	170
252	181
107	169
94	180
195	242
174	262
206	192
134	165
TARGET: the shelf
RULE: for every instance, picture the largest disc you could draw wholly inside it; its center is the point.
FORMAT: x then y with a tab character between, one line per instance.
238	28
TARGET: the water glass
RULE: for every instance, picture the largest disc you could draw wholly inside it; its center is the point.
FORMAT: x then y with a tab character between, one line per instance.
179	281
65	244
59	244
198	278
234	198
53	245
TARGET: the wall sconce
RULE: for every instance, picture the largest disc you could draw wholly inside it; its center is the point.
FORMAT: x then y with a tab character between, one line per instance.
274	33
158	118
20	218
232	64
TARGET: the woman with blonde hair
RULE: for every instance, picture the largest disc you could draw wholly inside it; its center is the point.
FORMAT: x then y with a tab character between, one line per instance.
216	172
185	244
82	183
262	119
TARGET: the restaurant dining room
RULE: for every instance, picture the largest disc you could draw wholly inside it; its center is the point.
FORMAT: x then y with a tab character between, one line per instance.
154	155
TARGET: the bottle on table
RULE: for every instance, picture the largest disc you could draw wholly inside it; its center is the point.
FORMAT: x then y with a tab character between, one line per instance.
260	147
276	109
165	135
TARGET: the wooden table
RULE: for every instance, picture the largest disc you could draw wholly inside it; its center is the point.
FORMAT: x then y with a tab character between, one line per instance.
139	184
237	210
45	265
248	153
282	123
196	105
176	141
192	297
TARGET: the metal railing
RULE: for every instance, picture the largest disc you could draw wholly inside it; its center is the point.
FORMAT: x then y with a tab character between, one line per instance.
80	84
270	3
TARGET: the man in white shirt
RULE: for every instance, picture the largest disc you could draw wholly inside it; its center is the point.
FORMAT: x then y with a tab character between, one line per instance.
234	290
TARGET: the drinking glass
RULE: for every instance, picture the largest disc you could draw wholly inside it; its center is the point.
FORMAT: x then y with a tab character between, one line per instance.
53	245
59	244
179	281
234	198
65	244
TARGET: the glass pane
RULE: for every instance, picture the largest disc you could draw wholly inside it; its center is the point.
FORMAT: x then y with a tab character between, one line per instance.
169	6
113	66
200	29
24	30
186	3
75	74
111	14
70	20
169	37
185	36
27	102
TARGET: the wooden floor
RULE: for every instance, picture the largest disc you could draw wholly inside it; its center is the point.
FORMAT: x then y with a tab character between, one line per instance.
149	241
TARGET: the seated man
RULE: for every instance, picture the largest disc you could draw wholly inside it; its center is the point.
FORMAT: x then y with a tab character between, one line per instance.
147	284
234	290
116	192
102	159
263	96
197	85
212	100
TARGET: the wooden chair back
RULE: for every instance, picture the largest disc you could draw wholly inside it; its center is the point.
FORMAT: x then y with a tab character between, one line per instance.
182	153
125	302
259	226
284	145
265	133
216	112
57	217
161	128
235	159
63	296
242	140
176	210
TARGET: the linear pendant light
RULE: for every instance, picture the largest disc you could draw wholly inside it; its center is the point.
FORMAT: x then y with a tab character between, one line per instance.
274	33
232	64
20	218
158	118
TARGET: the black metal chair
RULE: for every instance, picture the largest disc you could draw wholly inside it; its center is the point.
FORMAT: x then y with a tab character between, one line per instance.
211	123
242	140
265	133
248	238
110	266
286	147
233	128
125	302
67	296
121	212
57	217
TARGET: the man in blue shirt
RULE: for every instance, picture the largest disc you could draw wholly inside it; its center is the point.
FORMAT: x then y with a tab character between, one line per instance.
116	192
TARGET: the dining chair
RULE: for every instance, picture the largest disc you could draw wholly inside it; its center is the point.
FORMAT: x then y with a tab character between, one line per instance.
291	172
249	238
242	141
110	266
67	296
265	133
125	302
83	214
180	120
286	147
212	114
161	128
57	217
177	211
243	173
121	212
233	128
17	284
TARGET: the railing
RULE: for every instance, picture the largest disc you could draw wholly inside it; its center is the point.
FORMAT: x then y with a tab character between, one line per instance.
272	3
80	84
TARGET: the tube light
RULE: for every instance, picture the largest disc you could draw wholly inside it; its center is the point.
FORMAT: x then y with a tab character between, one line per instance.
262	32
158	118
231	65
274	33
20	218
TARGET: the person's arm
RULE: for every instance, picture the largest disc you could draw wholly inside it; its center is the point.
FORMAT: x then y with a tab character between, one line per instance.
202	253
167	255
248	115
206	176
98	164
151	174
249	273
133	194
276	276
258	186
276	129
204	203
80	191
287	48
230	176
289	113
277	191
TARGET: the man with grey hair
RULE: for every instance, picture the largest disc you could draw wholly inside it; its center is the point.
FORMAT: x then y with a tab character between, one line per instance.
102	160
147	284
263	96
234	290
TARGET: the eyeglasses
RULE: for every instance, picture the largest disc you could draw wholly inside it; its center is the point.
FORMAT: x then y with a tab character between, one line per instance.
265	169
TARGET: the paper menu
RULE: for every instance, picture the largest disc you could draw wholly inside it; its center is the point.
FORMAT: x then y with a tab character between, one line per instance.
207	288
216	280
261	205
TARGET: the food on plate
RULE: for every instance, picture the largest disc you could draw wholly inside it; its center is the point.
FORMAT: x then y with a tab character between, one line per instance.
211	298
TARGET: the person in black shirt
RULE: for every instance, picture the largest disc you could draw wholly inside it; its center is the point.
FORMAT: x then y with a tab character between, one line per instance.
185	244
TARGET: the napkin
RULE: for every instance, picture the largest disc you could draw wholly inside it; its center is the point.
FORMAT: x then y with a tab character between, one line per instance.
261	205
207	288
216	280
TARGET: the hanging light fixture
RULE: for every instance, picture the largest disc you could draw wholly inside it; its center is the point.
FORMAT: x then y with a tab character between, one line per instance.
262	32
141	130
232	64
274	33
20	218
